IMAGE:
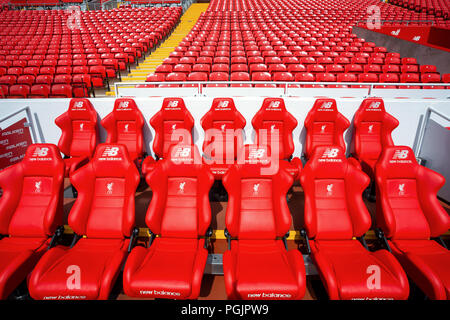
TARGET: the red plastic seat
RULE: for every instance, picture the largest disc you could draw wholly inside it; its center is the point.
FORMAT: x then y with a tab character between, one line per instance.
410	216
334	214
18	91
223	125
372	132
79	135
61	91
257	219
173	125
180	214
274	125
39	91
104	215
325	125
31	209
124	125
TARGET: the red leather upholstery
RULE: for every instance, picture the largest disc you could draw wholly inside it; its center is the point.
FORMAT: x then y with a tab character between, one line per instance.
79	135
173	124
372	132
274	125
325	125
223	125
180	213
104	214
334	214
258	266
124	125
409	213
30	210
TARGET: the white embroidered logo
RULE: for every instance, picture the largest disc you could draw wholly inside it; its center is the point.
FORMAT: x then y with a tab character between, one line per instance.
329	189
401	189
126	128
330	153
255	188
37	186
181	187
322	129
370	128
110	152
109	187
40	152
400	154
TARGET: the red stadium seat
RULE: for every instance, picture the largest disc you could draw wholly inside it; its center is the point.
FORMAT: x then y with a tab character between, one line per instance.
79	135
335	186
410	216
256	221
223	126
102	217
30	212
325	126
173	265
124	125
372	132
172	124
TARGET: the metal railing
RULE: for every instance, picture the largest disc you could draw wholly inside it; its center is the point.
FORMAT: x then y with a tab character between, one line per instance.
407	22
29	123
287	86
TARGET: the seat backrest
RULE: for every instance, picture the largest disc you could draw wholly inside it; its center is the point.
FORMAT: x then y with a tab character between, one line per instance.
372	129
223	125
32	200
124	125
334	207
172	124
257	206
180	205
407	204
274	126
325	125
106	189
78	124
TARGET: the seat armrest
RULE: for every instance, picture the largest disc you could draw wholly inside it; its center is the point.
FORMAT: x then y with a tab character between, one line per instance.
148	164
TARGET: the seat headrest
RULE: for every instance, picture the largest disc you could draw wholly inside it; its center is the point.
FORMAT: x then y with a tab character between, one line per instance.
223	109
41	159
275	107
173	108
325	109
372	109
125	109
81	109
111	160
184	154
328	162
398	162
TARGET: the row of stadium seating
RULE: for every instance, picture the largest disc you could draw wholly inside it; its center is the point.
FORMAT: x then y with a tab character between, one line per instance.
439	8
257	264
41	55
324	124
289	41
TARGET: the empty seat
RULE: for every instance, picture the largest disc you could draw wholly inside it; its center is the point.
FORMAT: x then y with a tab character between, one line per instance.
180	215
411	216
257	265
223	125
372	132
334	214
79	133
124	125
18	91
102	218
325	125
172	124
31	209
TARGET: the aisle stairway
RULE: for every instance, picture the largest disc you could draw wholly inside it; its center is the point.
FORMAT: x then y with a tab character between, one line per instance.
187	21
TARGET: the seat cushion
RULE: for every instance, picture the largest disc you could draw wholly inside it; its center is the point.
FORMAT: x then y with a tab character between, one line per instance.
263	269
170	268
428	265
18	256
349	271
86	271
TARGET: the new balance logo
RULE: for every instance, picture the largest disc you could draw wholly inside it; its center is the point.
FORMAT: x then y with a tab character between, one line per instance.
256	153
223	104
172	104
110	152
326	105
330	153
400	154
78	105
40	152
374	106
274	105
182	153
124	105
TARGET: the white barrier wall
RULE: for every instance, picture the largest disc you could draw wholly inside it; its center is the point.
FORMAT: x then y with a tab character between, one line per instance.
407	111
